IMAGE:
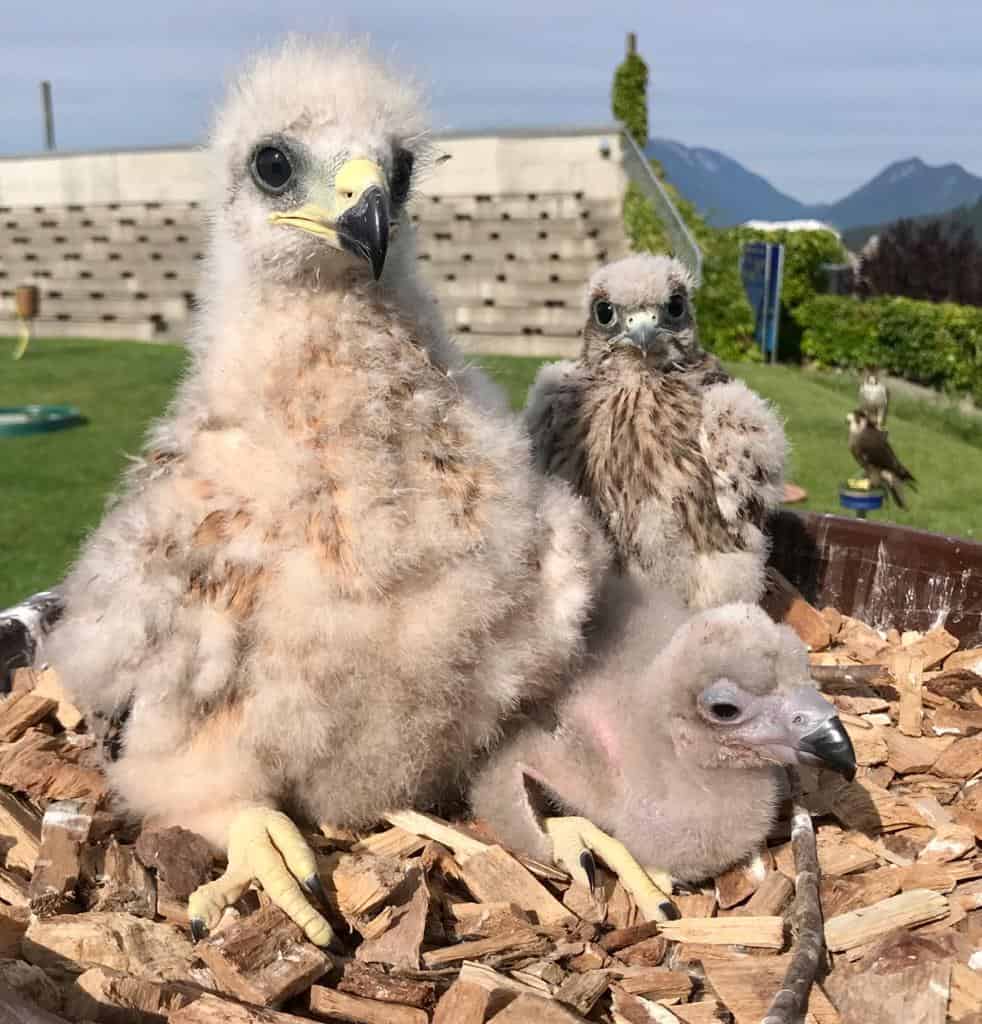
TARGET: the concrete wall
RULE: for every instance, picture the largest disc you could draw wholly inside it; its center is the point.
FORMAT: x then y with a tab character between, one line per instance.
493	164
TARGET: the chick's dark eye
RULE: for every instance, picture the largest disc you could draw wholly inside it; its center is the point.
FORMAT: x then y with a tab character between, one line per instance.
271	167
676	305
402	174
723	711
604	312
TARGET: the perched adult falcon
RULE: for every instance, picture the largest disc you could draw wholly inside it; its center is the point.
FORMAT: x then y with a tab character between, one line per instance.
680	464
336	570
871	449
874	397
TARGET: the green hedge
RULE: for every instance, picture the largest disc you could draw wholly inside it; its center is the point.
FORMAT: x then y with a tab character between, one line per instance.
937	344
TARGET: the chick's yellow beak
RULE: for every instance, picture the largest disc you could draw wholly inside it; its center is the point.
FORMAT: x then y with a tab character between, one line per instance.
352	216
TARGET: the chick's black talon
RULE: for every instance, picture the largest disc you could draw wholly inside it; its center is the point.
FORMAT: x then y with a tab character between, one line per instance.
671	912
198	929
315	887
589	865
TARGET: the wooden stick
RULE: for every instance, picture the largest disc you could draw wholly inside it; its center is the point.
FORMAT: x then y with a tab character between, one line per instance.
790	1002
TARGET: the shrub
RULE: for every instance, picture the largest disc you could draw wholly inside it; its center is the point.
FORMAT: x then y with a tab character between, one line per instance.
629	98
937	344
925	261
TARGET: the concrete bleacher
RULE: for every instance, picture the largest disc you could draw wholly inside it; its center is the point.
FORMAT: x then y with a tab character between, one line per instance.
508	264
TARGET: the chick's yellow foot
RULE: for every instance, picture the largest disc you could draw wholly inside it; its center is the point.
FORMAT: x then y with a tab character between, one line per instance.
264	846
576	840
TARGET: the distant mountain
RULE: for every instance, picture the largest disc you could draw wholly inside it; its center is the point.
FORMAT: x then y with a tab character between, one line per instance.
727	193
722	189
908	188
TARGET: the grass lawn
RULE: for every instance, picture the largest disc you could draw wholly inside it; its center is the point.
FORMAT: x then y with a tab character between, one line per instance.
54	486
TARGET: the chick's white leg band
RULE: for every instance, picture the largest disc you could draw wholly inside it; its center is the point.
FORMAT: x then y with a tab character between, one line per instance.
571	837
265	846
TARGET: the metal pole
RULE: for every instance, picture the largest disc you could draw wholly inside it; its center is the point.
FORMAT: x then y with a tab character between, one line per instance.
49	116
632	43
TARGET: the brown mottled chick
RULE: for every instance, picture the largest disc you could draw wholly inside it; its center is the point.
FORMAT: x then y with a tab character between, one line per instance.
336	570
681	464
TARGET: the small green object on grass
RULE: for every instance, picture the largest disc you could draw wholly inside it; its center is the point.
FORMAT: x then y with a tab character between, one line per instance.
37	419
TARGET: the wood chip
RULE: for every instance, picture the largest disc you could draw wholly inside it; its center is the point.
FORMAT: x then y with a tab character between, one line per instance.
771	898
580	992
20	711
115	879
741	882
14	888
859	641
54	885
863	806
393	842
400	944
263	958
956	722
932	648
210	1009
13	925
493	875
501	988
332	1005
969	660
838	856
908	673
521	943
45	767
657	983
18	1009
949	843
527	1008
706	1011
30	983
841	895
362	884
65	713
20	833
463	1003
908	754
903	977
74	943
766	932
183	860
454	839
696	904
621	938
747	990
373	983
111	997
859	927
591	958
961	760
784	603
965	995
647	953
475	920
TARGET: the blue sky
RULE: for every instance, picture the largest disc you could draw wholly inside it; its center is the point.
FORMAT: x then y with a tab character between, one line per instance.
816	97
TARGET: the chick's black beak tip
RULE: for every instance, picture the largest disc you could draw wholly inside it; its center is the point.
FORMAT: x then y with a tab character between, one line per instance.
830	744
364	228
